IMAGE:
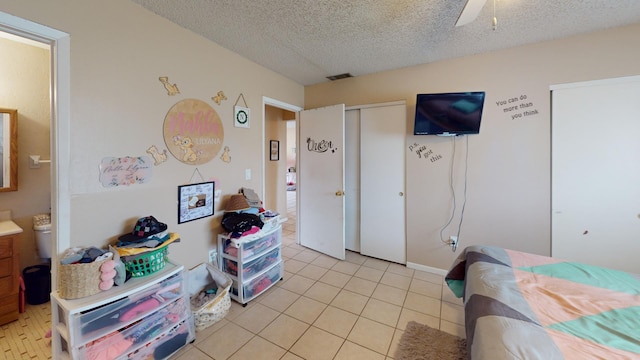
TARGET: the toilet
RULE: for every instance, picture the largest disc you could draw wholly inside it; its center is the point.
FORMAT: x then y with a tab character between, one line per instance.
42	231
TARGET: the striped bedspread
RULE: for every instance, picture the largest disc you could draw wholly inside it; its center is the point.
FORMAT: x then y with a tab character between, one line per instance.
525	306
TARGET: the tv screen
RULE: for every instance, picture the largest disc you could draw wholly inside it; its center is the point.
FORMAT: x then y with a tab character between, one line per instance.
448	114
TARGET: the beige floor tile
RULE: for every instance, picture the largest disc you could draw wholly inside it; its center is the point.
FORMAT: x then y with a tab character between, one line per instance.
376	264
346	267
256	318
335	278
361	286
325	261
426	288
351	351
450	297
226	341
279	299
400	270
236	309
407	315
453	329
291	356
288	252
389	294
259	348
372	335
322	292
395	280
305	309
297	284
350	301
191	353
427	276
307	255
382	312
336	321
205	333
293	266
370	274
317	344
423	304
394	343
452	313
313	272
284	331
355	258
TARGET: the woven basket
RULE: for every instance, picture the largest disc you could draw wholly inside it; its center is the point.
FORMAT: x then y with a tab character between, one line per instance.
217	308
146	263
79	280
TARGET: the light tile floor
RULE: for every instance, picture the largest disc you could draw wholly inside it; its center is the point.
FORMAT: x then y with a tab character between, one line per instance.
322	309
325	308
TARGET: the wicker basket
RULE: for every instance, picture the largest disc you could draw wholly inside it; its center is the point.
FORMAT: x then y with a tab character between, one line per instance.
146	263
217	308
79	280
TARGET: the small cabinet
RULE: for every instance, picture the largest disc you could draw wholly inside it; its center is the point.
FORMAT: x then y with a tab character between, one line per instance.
147	317
9	278
253	262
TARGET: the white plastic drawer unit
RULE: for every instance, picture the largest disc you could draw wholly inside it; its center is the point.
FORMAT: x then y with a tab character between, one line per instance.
147	317
112	316
259	284
251	267
251	248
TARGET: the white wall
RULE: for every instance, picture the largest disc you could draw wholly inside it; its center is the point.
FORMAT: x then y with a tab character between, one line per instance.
118	51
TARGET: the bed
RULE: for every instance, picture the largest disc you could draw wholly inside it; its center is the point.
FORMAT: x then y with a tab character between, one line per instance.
524	306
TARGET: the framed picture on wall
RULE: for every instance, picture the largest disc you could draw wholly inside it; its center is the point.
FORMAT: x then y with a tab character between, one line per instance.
275	150
195	201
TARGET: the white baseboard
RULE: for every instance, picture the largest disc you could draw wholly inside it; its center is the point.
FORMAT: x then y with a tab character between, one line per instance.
428	269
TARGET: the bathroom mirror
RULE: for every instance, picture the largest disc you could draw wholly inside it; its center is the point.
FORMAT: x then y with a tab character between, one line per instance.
8	149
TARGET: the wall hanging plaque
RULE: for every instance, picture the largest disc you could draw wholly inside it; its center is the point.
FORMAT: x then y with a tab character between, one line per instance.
125	171
195	201
193	132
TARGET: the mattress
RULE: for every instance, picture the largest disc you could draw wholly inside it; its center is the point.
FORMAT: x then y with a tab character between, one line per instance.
525	306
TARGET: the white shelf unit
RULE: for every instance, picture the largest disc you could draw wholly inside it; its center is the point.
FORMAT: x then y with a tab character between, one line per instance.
147	317
253	262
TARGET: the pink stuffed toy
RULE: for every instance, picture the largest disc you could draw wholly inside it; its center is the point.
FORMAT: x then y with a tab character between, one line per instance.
108	273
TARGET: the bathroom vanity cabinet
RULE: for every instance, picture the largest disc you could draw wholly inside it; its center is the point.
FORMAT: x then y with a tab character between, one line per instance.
9	272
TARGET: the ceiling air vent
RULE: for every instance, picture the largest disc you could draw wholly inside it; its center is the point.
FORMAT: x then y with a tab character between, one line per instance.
339	76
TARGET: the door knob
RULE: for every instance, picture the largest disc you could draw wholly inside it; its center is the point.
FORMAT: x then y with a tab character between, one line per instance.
339	193
401	193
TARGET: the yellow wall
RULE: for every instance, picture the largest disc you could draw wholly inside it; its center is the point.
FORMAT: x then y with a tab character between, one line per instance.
508	182
118	105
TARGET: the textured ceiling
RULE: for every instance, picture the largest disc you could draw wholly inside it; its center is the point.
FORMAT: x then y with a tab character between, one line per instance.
308	40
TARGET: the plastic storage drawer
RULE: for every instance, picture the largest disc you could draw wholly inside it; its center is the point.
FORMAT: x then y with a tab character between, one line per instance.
260	283
118	342
253	247
166	343
252	267
110	317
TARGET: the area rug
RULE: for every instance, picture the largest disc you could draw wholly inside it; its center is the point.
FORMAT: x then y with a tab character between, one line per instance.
422	342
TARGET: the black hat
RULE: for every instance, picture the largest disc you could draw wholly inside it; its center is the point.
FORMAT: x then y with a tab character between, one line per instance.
144	228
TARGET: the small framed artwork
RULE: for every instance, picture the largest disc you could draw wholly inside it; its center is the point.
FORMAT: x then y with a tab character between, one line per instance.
195	201
275	150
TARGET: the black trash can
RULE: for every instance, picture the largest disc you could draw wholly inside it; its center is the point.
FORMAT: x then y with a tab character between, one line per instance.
37	283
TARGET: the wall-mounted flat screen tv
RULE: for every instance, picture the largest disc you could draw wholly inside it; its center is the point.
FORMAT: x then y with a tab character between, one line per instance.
449	114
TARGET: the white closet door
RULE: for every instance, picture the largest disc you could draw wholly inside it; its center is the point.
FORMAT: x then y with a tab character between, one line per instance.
352	180
596	173
382	182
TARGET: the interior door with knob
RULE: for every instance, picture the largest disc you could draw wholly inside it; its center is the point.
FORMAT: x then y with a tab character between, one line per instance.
321	177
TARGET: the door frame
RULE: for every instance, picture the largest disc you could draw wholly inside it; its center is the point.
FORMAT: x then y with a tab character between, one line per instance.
60	45
267	101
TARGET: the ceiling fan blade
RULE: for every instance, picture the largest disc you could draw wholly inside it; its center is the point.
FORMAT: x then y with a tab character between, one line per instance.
470	12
